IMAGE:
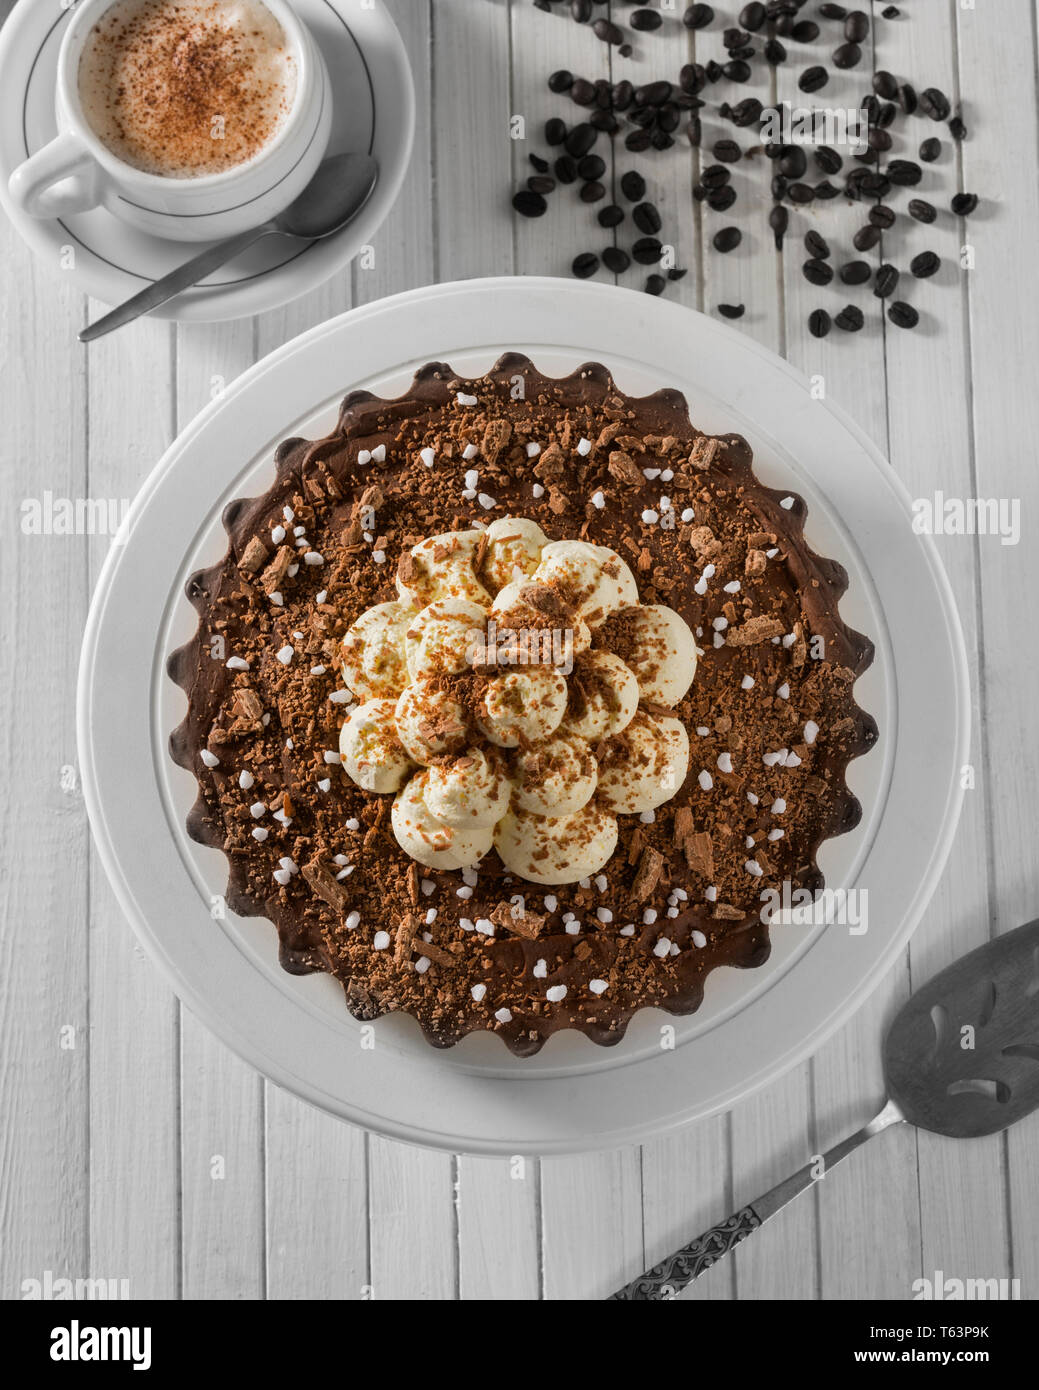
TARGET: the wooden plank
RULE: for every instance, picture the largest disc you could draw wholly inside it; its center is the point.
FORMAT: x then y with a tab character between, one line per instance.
1003	289
222	1159
962	1218
498	1228
44	1010
134	1168
861	1211
591	1223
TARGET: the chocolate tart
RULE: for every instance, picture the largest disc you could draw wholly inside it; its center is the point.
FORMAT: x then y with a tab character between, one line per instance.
771	713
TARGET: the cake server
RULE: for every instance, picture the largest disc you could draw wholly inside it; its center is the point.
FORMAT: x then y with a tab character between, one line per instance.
961	1059
334	196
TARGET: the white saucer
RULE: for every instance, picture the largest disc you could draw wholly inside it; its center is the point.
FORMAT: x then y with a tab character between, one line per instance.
753	1025
374	113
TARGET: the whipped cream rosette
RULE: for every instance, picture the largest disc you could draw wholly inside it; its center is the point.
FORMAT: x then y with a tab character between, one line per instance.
495	710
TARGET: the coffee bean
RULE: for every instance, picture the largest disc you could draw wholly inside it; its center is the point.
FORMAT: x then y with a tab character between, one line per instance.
668	117
922	210
611	215
606	30
816	245
591	167
826	190
561	81
856	26
907	98
886	115
828	160
876	185
541	183
603	94
698	16
581	139
565	169
581	10
851	319
582	92
555	131
738	70
694	132
891	12
957	129
747	112
904	172
623	94
605	121
660	140
734	38
592	192
779	221
925	265
586	264
775	53
541	165
833	11
529	203
813	79
784	25
934	103
637	141
692	78
715	176
653	94
817	272
647	250
633	186
882	216
886	282
801	193
656	284
855	272
819	323
848	55
806	31
677	274
752	16
866	238
727	151
646	218
615	260
903	315
727	239
793	161
731	311
780	184
879	140
646	20
721	199
930	149
885	84
964	204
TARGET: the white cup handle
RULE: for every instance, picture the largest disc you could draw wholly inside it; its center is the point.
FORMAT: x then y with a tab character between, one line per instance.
61	178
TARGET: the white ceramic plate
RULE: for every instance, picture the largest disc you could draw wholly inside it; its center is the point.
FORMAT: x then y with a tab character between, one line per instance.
374	112
753	1025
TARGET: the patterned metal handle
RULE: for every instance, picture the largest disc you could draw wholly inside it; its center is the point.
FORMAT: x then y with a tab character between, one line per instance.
667	1279
670	1276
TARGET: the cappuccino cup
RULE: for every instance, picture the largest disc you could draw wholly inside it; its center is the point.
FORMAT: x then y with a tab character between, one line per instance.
189	119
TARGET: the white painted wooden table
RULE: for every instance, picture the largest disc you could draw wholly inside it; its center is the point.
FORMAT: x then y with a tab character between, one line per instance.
135	1146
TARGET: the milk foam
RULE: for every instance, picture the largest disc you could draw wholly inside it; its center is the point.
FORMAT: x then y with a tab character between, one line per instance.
185	88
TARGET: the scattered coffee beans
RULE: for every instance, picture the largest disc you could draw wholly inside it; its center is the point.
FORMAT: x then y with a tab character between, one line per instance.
964	204
855	272
819	323
886	282
922	210
727	239
817	272
850	319
529	203
732	311
930	149
816	245
585	265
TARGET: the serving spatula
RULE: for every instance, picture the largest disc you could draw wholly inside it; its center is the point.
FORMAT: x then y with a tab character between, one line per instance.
961	1059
